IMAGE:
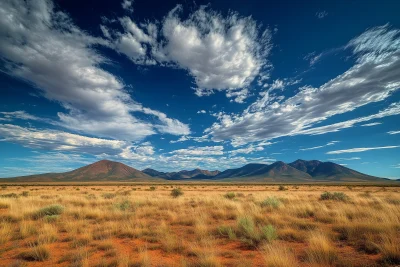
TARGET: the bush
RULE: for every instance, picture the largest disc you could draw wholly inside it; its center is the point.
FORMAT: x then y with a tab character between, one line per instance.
272	202
230	195
49	211
176	192
37	253
25	193
282	188
252	235
152	188
269	233
339	196
125	205
226	231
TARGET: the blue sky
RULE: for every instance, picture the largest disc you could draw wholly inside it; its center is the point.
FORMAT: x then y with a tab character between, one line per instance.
175	85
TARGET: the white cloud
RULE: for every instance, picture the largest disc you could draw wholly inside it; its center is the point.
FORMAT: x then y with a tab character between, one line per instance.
219	52
42	46
393	132
371	124
316	147
62	141
313	57
127	5
321	14
345	159
201	111
360	149
200	151
247	150
373	78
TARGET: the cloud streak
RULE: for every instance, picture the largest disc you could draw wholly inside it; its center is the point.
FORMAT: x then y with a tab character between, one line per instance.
360	149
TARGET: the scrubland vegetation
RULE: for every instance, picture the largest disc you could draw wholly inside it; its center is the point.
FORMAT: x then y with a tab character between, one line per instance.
199	225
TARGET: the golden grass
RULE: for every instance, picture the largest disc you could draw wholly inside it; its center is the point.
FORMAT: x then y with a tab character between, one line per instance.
253	225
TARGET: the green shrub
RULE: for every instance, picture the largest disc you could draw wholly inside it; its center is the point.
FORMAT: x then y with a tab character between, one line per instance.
125	205
339	196
230	195
269	232
272	202
176	192
253	235
226	231
49	211
152	188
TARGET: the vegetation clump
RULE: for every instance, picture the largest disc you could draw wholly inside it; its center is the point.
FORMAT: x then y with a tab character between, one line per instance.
282	188
176	192
253	235
36	253
230	195
271	202
339	196
50	210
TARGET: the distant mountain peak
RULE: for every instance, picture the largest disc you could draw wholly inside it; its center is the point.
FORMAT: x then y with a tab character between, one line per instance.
299	170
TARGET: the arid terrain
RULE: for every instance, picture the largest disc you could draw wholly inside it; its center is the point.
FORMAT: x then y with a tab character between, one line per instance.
207	225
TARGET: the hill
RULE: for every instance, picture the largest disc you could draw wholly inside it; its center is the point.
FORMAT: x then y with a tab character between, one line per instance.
295	172
330	171
103	170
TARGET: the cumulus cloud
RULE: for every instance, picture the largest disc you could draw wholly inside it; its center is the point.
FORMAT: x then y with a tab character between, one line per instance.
200	151
246	150
201	111
360	149
374	77
223	53
42	46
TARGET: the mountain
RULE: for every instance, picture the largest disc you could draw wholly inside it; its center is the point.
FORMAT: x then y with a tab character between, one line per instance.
278	171
193	174
330	171
297	171
103	170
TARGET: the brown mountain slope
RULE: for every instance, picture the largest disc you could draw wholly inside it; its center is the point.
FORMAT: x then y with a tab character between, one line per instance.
104	170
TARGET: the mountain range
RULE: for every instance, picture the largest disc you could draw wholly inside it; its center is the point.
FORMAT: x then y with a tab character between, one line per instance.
297	171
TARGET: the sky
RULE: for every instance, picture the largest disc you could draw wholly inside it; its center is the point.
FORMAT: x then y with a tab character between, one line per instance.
175	85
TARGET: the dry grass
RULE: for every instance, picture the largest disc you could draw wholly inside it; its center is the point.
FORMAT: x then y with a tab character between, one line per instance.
251	225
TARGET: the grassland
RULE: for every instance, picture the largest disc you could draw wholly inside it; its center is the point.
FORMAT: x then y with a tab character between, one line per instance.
207	225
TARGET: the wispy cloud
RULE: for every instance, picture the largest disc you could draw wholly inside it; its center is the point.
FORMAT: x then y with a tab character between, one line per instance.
373	78
345	159
394	132
317	147
360	149
321	14
371	124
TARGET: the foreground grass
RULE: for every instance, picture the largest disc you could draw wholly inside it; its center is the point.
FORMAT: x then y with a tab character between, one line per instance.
199	225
